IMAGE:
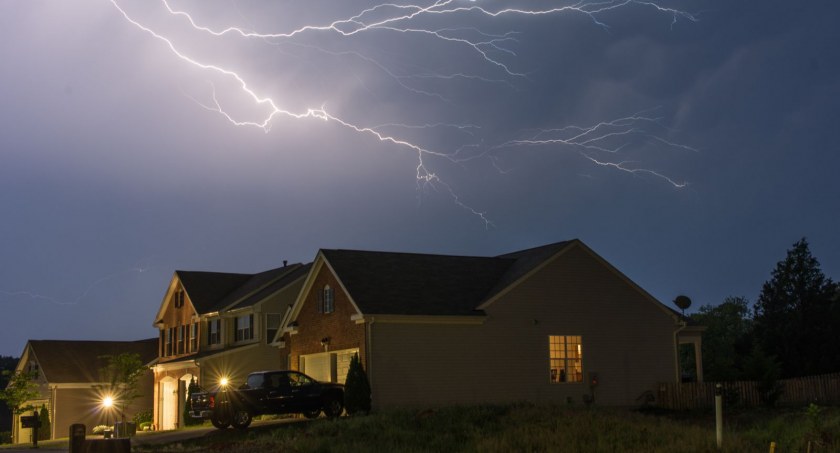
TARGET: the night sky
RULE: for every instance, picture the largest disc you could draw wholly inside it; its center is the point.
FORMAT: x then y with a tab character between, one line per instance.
711	144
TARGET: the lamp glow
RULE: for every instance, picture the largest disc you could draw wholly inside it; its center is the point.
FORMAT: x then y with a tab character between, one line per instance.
107	402
223	382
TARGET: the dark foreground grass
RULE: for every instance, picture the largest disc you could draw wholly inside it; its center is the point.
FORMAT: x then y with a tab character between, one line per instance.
534	428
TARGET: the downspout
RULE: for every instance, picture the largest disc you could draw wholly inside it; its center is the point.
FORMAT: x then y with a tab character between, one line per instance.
682	326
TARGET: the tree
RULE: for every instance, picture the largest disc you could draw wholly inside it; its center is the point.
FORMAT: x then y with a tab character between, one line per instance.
20	389
122	373
7	364
727	340
796	315
188	419
44	431
356	388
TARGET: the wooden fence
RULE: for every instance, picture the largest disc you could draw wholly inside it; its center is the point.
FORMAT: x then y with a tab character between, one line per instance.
820	389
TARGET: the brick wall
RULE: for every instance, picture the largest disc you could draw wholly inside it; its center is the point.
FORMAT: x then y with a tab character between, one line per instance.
313	326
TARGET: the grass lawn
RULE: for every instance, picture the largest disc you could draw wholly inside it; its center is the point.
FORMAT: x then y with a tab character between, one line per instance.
534	428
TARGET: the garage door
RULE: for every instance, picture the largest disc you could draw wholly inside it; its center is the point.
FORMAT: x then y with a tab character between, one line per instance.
328	366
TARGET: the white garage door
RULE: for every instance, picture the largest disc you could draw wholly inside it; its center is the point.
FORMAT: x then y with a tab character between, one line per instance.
328	366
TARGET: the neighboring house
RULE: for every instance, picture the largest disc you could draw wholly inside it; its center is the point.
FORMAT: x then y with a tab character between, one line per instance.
214	325
71	385
535	325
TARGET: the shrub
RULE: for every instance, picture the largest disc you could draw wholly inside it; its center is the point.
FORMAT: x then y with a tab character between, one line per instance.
142	417
188	419
5	437
44	432
145	426
356	388
99	429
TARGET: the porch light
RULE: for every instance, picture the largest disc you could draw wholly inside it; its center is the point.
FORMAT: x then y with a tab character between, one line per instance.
107	402
224	381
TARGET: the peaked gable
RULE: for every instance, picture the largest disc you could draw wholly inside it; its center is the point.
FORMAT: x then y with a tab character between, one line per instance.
207	290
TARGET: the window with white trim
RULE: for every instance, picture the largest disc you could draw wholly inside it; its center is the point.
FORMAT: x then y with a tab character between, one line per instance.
326	300
214	331
244	327
565	354
272	325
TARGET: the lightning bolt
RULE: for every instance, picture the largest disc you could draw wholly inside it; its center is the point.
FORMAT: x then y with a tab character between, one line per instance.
14	295
592	143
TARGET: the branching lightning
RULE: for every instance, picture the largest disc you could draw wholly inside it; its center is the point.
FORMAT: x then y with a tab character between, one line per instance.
28	295
599	144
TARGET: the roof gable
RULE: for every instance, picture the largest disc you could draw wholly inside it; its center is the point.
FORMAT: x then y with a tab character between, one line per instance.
70	361
208	290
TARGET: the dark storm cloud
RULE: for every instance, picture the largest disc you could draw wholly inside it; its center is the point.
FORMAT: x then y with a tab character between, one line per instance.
113	175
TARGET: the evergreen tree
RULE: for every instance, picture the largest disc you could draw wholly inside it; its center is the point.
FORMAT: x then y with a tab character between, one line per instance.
44	430
796	315
356	388
188	419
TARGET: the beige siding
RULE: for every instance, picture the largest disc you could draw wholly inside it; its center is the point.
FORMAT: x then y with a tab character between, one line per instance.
237	365
627	339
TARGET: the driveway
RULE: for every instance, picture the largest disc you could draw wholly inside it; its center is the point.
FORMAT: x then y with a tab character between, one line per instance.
143	438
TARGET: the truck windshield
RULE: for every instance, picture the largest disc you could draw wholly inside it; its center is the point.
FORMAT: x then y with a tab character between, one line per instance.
255	381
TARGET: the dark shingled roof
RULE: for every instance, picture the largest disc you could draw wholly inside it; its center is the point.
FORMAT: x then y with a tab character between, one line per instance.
283	277
215	291
69	361
417	284
207	289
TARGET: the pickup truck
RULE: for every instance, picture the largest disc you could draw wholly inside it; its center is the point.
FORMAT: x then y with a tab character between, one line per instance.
268	392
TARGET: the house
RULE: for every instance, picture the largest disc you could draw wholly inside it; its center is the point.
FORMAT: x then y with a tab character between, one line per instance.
552	323
216	325
71	385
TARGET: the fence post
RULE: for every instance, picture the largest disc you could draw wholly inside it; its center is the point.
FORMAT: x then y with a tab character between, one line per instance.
719	414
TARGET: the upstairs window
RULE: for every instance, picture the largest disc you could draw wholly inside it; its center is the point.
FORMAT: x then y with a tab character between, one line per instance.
565	358
244	326
182	334
168	347
326	300
179	298
272	325
214	331
194	337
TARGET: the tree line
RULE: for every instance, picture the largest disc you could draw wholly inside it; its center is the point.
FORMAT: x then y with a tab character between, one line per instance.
792	330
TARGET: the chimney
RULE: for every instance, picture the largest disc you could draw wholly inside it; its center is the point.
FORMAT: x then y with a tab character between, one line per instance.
285	263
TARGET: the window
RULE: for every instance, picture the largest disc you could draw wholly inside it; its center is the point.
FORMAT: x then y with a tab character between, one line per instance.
244	326
180	332
168	351
326	300
214	331
162	343
272	325
565	358
179	298
194	337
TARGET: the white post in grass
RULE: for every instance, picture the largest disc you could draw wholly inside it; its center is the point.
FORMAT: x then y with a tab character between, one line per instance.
719	414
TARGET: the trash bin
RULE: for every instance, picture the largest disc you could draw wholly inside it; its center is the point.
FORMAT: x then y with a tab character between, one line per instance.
125	429
77	438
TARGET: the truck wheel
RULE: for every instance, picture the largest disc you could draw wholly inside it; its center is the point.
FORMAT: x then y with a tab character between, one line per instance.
333	407
241	419
312	414
220	421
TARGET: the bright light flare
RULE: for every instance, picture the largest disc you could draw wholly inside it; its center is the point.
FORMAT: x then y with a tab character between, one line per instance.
224	381
107	402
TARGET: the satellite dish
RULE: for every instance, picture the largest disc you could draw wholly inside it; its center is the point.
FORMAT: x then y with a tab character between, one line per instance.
682	302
